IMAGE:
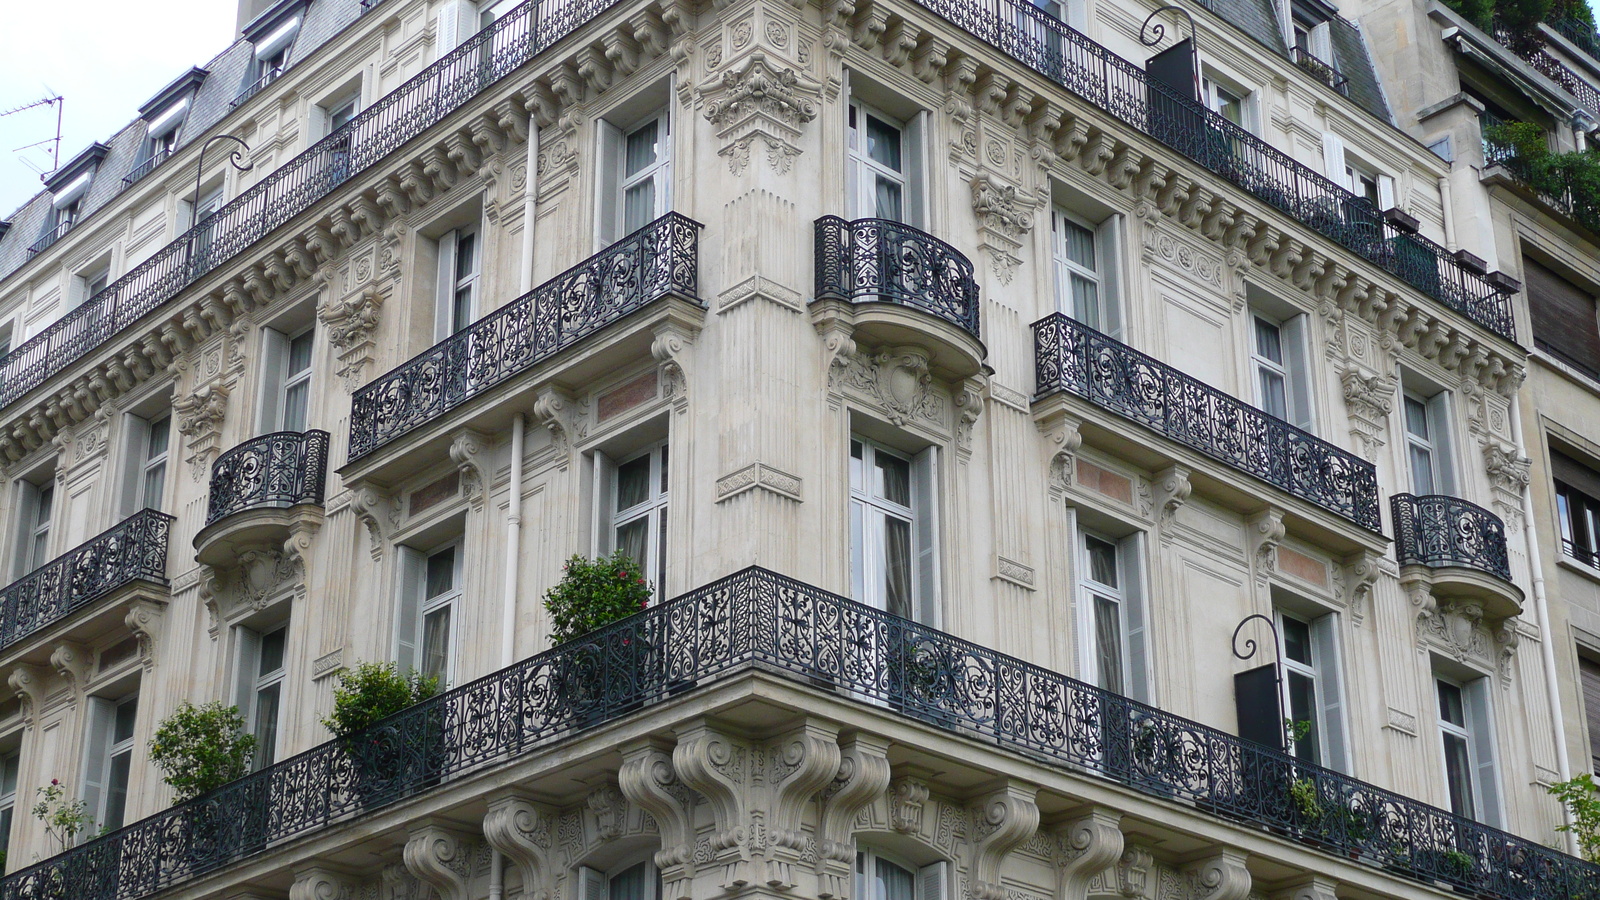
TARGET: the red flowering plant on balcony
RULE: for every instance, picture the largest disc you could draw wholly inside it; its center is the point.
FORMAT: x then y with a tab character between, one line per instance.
594	593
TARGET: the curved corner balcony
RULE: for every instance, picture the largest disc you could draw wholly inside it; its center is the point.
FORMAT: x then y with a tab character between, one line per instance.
127	560
891	278
1458	547
658	261
262	489
1072	357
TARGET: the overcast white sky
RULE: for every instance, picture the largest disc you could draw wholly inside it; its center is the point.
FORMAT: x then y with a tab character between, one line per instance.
106	57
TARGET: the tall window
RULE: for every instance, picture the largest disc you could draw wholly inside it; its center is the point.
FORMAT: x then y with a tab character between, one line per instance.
1225	101
1427	442
458	281
90	283
260	688
1589	673
646	165
1579	520
878	164
1278	354
640	881
430	586
893	532
639	512
1565	321
1468	748
1311	699
108	759
38	506
1085	271
878	878
149	442
162	145
1111	621
286	381
9	766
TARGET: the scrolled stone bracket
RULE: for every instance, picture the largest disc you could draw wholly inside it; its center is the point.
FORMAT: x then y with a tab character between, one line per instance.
441	858
1002	820
862	776
1086	846
520	829
649	780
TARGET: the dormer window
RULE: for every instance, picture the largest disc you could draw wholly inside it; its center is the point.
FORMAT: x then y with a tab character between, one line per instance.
272	33
163	116
68	189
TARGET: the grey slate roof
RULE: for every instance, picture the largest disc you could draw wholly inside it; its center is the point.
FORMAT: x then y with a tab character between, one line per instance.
227	74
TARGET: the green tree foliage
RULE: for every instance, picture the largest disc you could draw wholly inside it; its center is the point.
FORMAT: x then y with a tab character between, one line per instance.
1581	797
372	691
594	593
199	748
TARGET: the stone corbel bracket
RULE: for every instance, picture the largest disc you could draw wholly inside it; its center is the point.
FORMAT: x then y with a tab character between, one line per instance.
760	100
200	416
521	829
863	774
379	511
1002	820
647	778
1266	533
1222	875
469	451
351	323
1086	846
320	881
440	857
1064	437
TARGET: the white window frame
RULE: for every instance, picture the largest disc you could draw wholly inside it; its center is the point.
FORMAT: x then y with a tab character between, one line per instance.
867	515
453	281
35	517
163	144
1436	417
332	108
415	607
867	170
1127	598
1299	409
1477	731
251	682
101	751
279	382
653	510
144	460
1326	685
613	181
595	884
1211	87
658	172
1104	275
930	882
10	773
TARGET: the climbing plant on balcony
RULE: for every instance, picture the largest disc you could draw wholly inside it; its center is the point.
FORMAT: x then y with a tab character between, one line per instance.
1571	180
1581	797
199	748
593	593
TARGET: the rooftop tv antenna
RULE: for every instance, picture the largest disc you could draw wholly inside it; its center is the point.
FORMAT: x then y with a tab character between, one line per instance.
60	104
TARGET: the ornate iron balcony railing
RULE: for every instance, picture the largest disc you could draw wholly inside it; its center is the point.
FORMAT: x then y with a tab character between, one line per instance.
756	618
53	235
285	468
1532	47
1325	72
134	550
658	260
1070	356
1436	530
266	77
880	259
1106	80
371	136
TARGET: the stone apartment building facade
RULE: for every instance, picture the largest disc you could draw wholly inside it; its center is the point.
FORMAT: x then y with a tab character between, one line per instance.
985	381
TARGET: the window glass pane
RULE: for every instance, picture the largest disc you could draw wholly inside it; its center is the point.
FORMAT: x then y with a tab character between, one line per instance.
883	143
159	435
47	497
857	478
633	482
893	477
1108	643
1086	302
638	206
295	401
1297	640
1274	396
897	566
641	149
117	791
466	256
630	884
1303	708
441	572
1458	775
894	883
300	353
461	309
633	538
272	652
8	777
662	454
122	726
5	829
1450	706
1421	470
1416	418
436	643
1269	341
266	724
155	478
1102	562
1080	245
886	199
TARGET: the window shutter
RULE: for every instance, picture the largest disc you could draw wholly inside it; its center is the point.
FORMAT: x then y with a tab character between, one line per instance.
916	209
135	441
247	651
608	184
1564	321
664	175
1333	158
444	296
24	517
1325	638
925	500
1589	670
1322	42
1109	238
1385	191
457	21
1480	720
1132	552
591	884
605	487
1258	706
1296	357
101	713
274	351
1443	459
933	881
408	615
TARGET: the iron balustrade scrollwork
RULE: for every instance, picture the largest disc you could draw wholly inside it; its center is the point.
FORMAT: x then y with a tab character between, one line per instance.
657	261
285	468
880	259
133	550
1091	71
758	619
1070	356
1560	187
1326	72
1437	530
374	133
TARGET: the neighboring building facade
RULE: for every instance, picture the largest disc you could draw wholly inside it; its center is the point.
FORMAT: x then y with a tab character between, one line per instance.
1062	367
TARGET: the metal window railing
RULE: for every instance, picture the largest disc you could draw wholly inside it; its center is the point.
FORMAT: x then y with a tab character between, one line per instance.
879	259
134	550
284	468
1324	71
55	234
1070	356
658	260
145	168
758	619
371	136
1437	530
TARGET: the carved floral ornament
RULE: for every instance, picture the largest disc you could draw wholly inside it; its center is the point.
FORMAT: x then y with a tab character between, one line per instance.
760	102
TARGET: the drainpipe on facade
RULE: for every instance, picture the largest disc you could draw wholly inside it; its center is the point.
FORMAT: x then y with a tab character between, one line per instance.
1541	610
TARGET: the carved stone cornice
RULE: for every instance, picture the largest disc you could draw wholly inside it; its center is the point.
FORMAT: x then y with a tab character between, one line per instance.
908	796
1315	887
1001	821
521	829
144	620
1368	399
1172	490
760	101
29	683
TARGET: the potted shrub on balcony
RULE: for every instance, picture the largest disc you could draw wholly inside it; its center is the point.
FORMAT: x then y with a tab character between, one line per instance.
199	749
387	758
1581	797
592	594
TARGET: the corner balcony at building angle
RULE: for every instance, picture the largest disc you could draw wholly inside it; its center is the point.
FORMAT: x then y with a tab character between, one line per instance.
758	620
1043	43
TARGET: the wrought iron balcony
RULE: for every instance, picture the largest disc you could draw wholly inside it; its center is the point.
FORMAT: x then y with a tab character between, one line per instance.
1091	71
135	550
1581	34
1070	356
1324	71
267	77
408	111
285	468
756	619
884	260
1563	189
1532	47
145	168
53	235
657	261
1439	531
